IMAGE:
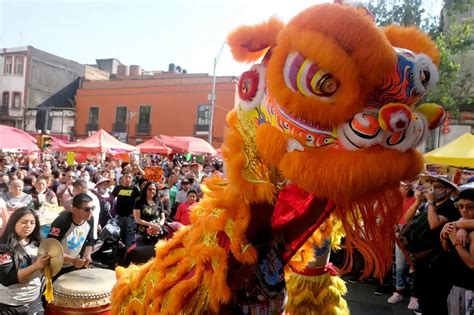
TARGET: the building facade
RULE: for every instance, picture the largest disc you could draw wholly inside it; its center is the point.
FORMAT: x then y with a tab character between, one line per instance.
134	105
32	79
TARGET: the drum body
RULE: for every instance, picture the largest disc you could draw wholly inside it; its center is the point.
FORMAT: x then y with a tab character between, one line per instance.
85	291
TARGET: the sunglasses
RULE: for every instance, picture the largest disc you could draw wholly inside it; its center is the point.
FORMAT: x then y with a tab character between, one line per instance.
88	209
460	206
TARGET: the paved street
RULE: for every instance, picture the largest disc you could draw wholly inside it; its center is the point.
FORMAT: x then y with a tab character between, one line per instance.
362	301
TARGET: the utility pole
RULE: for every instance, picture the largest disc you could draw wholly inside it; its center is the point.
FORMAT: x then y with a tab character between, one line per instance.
213	93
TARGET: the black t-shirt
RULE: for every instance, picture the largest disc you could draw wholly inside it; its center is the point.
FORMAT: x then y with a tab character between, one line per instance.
461	275
148	213
125	199
449	211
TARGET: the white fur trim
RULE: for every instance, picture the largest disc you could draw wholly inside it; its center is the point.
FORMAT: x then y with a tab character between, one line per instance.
424	62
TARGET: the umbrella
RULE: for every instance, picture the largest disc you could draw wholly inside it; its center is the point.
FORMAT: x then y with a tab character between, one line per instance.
99	142
154	145
459	152
191	145
15	139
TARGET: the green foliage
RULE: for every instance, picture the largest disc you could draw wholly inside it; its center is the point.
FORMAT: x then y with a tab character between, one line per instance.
455	86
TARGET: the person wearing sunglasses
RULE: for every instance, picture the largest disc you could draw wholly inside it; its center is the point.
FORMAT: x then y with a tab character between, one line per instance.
461	254
74	230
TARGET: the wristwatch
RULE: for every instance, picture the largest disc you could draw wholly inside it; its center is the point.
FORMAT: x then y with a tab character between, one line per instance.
433	203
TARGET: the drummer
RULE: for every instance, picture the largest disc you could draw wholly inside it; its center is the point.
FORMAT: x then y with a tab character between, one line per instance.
73	229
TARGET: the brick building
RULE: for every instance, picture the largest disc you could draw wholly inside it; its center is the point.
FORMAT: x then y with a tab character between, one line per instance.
135	105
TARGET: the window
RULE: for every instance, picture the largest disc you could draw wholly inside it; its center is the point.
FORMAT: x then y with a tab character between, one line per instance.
93	115
204	115
16	99
19	64
144	117
8	65
121	114
6	99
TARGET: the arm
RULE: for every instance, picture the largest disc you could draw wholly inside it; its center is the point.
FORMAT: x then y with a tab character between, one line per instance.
444	235
139	220
467	256
24	274
410	214
464	224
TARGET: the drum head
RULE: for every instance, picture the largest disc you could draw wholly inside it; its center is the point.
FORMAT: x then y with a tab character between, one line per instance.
55	251
84	288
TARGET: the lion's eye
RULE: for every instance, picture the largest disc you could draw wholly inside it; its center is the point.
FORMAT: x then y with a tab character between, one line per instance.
308	78
425	77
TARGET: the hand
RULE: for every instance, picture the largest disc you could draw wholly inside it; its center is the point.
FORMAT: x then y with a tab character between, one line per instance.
88	259
78	262
461	237
429	195
452	236
418	195
447	228
41	262
155	226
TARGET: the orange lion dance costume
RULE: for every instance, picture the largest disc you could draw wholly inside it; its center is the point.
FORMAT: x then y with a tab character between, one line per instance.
324	132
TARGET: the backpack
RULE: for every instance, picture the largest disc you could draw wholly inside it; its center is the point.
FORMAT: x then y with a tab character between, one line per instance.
416	237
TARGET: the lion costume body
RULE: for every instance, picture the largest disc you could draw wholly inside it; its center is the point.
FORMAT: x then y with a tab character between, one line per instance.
324	132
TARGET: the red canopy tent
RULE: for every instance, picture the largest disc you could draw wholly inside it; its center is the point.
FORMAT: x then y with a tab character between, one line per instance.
99	142
13	139
154	145
191	145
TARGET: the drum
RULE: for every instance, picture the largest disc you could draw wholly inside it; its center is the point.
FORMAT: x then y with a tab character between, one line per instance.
85	291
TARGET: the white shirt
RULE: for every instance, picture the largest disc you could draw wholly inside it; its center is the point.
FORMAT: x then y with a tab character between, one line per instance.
23	293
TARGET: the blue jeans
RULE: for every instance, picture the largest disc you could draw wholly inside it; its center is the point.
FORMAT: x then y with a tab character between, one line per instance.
401	266
127	230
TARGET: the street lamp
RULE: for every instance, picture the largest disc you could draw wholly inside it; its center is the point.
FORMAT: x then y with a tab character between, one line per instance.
130	115
213	93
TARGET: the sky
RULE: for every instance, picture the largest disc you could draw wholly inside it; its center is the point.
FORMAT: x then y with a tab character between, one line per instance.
149	33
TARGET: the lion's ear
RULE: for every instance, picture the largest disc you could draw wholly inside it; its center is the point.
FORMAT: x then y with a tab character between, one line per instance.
249	43
413	39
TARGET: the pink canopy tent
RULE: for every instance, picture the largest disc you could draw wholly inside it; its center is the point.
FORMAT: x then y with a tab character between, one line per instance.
191	145
154	145
99	142
13	139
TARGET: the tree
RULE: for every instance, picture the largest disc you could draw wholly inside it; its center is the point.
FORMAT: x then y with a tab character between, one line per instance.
452	37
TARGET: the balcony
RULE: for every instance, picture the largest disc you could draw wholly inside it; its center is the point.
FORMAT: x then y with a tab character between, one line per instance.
119	127
92	126
143	129
200	130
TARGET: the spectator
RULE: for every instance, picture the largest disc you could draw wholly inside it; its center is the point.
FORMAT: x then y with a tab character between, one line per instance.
461	297
125	195
28	183
16	198
65	190
73	229
4	180
80	187
431	280
41	194
182	215
181	196
106	200
20	268
410	202
173	190
149	216
56	180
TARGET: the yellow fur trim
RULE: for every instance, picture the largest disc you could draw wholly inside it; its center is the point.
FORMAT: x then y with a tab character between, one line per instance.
316	295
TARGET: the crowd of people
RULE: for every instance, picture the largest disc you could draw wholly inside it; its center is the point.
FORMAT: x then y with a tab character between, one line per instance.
434	251
93	195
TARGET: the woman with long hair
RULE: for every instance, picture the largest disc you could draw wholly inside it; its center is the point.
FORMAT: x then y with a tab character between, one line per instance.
149	215
20	268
